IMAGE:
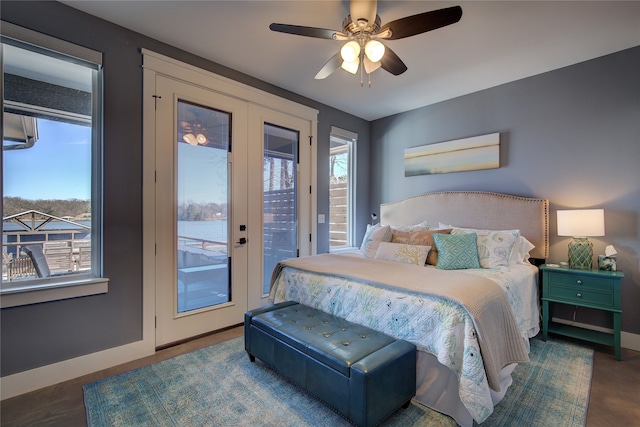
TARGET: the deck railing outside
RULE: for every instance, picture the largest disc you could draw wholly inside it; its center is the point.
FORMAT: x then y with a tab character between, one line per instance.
65	243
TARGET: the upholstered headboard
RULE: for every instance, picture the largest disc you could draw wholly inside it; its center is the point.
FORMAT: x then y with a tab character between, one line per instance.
475	209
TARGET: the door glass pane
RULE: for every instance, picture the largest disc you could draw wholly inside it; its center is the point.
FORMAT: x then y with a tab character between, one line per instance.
202	202
279	198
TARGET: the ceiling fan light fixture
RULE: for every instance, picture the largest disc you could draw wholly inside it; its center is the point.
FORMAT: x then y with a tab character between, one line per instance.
370	66
350	51
201	139
351	67
190	139
374	50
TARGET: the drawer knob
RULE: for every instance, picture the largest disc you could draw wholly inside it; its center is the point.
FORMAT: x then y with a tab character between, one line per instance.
578	295
579	282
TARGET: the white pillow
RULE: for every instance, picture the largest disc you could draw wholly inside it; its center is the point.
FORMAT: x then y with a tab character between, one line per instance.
520	252
372	238
494	246
399	252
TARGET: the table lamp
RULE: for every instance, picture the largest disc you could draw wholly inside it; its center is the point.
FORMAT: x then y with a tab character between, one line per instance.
580	224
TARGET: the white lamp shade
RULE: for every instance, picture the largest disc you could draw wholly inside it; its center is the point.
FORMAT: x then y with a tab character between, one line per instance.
581	222
370	66
190	139
202	140
351	67
374	50
350	51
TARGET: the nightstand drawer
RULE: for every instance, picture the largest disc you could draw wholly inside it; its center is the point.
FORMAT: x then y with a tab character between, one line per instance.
579	281
597	297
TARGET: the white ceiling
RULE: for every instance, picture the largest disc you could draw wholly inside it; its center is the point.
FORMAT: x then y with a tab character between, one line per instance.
495	42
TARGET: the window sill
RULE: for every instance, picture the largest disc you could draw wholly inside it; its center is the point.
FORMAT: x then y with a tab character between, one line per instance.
15	296
344	250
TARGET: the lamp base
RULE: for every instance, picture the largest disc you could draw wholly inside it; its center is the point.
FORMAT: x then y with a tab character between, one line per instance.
580	253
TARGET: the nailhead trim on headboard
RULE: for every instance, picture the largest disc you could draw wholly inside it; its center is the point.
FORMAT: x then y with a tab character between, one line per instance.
475	209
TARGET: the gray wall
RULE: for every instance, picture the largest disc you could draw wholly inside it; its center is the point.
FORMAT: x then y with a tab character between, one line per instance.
41	334
571	136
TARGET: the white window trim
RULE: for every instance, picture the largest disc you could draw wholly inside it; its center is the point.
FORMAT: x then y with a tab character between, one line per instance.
352	138
31	291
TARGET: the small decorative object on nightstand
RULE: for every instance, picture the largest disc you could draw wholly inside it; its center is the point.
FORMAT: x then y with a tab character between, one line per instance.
608	260
580	224
595	289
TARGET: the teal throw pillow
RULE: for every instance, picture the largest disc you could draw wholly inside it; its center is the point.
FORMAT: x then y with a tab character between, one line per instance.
457	251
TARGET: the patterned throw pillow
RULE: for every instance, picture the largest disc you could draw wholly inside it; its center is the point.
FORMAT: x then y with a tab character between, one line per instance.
494	246
424	238
408	254
372	238
457	251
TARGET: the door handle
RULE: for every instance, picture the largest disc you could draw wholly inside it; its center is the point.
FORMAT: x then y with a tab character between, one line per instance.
242	241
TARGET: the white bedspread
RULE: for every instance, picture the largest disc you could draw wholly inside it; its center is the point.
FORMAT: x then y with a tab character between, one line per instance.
437	326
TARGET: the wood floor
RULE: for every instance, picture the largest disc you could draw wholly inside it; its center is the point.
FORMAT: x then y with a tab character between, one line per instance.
615	390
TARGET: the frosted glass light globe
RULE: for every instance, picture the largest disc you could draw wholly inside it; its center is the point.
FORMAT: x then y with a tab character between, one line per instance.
350	51
374	50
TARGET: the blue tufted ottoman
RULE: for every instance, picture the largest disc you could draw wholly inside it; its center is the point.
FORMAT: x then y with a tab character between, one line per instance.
363	374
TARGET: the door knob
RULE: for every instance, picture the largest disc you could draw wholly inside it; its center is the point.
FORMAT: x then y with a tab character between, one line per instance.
242	241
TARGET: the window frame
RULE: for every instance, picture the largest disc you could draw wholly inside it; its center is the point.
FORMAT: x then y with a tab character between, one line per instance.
30	291
350	139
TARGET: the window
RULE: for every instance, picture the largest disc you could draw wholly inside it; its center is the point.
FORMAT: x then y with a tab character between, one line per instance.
51	174
341	188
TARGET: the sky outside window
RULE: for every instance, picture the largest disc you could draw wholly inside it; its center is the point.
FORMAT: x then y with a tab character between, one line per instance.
58	166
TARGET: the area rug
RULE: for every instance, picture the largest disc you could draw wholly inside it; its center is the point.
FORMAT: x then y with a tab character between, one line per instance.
219	386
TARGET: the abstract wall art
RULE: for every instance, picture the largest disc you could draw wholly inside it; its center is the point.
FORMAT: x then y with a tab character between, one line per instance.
467	154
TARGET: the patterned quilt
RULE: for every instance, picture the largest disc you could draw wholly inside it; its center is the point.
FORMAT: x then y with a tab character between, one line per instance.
436	325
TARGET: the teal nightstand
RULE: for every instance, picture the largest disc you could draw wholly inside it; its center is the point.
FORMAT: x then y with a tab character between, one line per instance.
596	289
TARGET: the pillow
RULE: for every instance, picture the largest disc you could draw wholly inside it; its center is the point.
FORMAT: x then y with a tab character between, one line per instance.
494	246
424	238
457	251
408	254
423	226
520	251
372	238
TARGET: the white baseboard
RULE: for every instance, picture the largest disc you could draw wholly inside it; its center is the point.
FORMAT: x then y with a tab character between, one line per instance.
34	379
630	341
627	339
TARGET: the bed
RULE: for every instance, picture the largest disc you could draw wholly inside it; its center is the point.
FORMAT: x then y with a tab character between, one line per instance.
470	319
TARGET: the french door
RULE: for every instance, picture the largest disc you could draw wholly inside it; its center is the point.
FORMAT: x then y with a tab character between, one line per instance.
201	215
232	197
280	198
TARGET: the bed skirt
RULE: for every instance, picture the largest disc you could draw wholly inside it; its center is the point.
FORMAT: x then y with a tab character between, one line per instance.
437	388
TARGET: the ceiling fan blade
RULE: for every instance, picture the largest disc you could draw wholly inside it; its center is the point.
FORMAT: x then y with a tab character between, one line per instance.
422	22
328	68
392	63
319	33
363	9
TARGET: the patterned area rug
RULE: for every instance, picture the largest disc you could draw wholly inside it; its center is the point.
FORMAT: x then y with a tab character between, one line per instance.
218	386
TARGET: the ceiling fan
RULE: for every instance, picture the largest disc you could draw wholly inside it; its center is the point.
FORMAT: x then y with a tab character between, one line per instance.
362	31
194	133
